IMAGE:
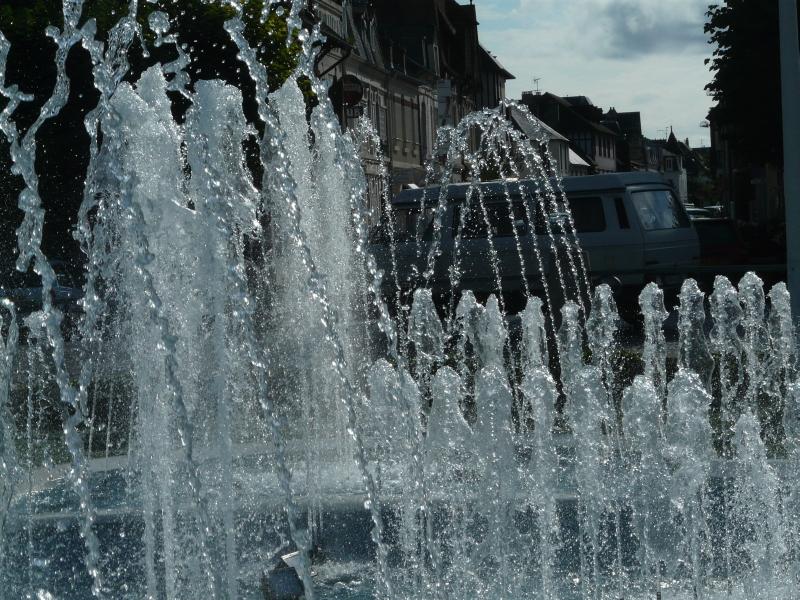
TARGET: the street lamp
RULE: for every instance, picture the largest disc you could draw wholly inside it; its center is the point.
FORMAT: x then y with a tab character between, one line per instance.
790	83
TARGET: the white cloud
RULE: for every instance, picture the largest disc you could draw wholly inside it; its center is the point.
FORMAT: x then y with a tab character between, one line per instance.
630	27
644	55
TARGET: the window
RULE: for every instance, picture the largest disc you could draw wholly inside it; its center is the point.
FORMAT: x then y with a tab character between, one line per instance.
622	214
659	209
497	211
403	134
15	279
407	224
587	212
382	124
423	132
398	119
415	124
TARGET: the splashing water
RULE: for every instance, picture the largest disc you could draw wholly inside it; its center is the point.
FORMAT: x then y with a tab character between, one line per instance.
240	385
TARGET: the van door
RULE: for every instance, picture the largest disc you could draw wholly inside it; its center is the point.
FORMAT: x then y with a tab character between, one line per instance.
413	231
608	236
670	242
481	262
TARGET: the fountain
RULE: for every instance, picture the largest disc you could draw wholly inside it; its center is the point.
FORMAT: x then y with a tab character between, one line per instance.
240	405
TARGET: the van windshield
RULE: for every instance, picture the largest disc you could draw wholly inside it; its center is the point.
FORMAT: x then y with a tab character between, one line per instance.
659	209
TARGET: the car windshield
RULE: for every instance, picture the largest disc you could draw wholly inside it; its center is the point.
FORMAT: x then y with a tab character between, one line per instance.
659	209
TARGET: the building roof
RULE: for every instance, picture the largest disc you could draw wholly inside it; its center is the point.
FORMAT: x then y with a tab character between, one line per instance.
534	128
630	122
578	100
571	102
598	127
627	122
493	60
613	181
576	160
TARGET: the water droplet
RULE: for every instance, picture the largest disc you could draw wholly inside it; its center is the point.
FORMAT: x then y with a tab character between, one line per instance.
159	22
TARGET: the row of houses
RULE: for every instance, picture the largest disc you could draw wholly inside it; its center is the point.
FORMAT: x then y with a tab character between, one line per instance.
409	66
599	141
416	65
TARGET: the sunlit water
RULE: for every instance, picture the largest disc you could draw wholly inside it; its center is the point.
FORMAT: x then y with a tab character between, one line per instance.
238	388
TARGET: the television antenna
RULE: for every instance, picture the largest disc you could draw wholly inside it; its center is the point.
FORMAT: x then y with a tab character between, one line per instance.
536	81
666	131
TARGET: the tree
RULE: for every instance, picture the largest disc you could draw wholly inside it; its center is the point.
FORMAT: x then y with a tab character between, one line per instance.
746	85
62	153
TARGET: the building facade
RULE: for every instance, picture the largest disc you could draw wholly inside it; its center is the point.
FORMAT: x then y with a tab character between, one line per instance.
399	103
556	146
578	119
421	67
491	89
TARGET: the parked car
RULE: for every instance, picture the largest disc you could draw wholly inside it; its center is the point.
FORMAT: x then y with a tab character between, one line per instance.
697	213
631	228
716	210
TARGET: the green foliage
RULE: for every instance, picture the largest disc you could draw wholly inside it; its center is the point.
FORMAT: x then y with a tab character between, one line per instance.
27	20
63	142
197	22
746	83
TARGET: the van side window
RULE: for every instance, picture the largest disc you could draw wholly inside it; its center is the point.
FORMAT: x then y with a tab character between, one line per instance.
659	209
622	214
407	224
588	214
500	221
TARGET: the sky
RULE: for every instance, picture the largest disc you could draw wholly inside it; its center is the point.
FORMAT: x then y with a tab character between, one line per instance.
634	55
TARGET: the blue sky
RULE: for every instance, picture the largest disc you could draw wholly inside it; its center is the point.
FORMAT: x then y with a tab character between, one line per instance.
644	55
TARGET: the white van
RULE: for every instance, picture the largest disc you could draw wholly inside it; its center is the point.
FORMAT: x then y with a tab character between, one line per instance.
642	232
631	228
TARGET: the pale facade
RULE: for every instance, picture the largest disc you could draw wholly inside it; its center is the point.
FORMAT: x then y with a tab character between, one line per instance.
401	108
